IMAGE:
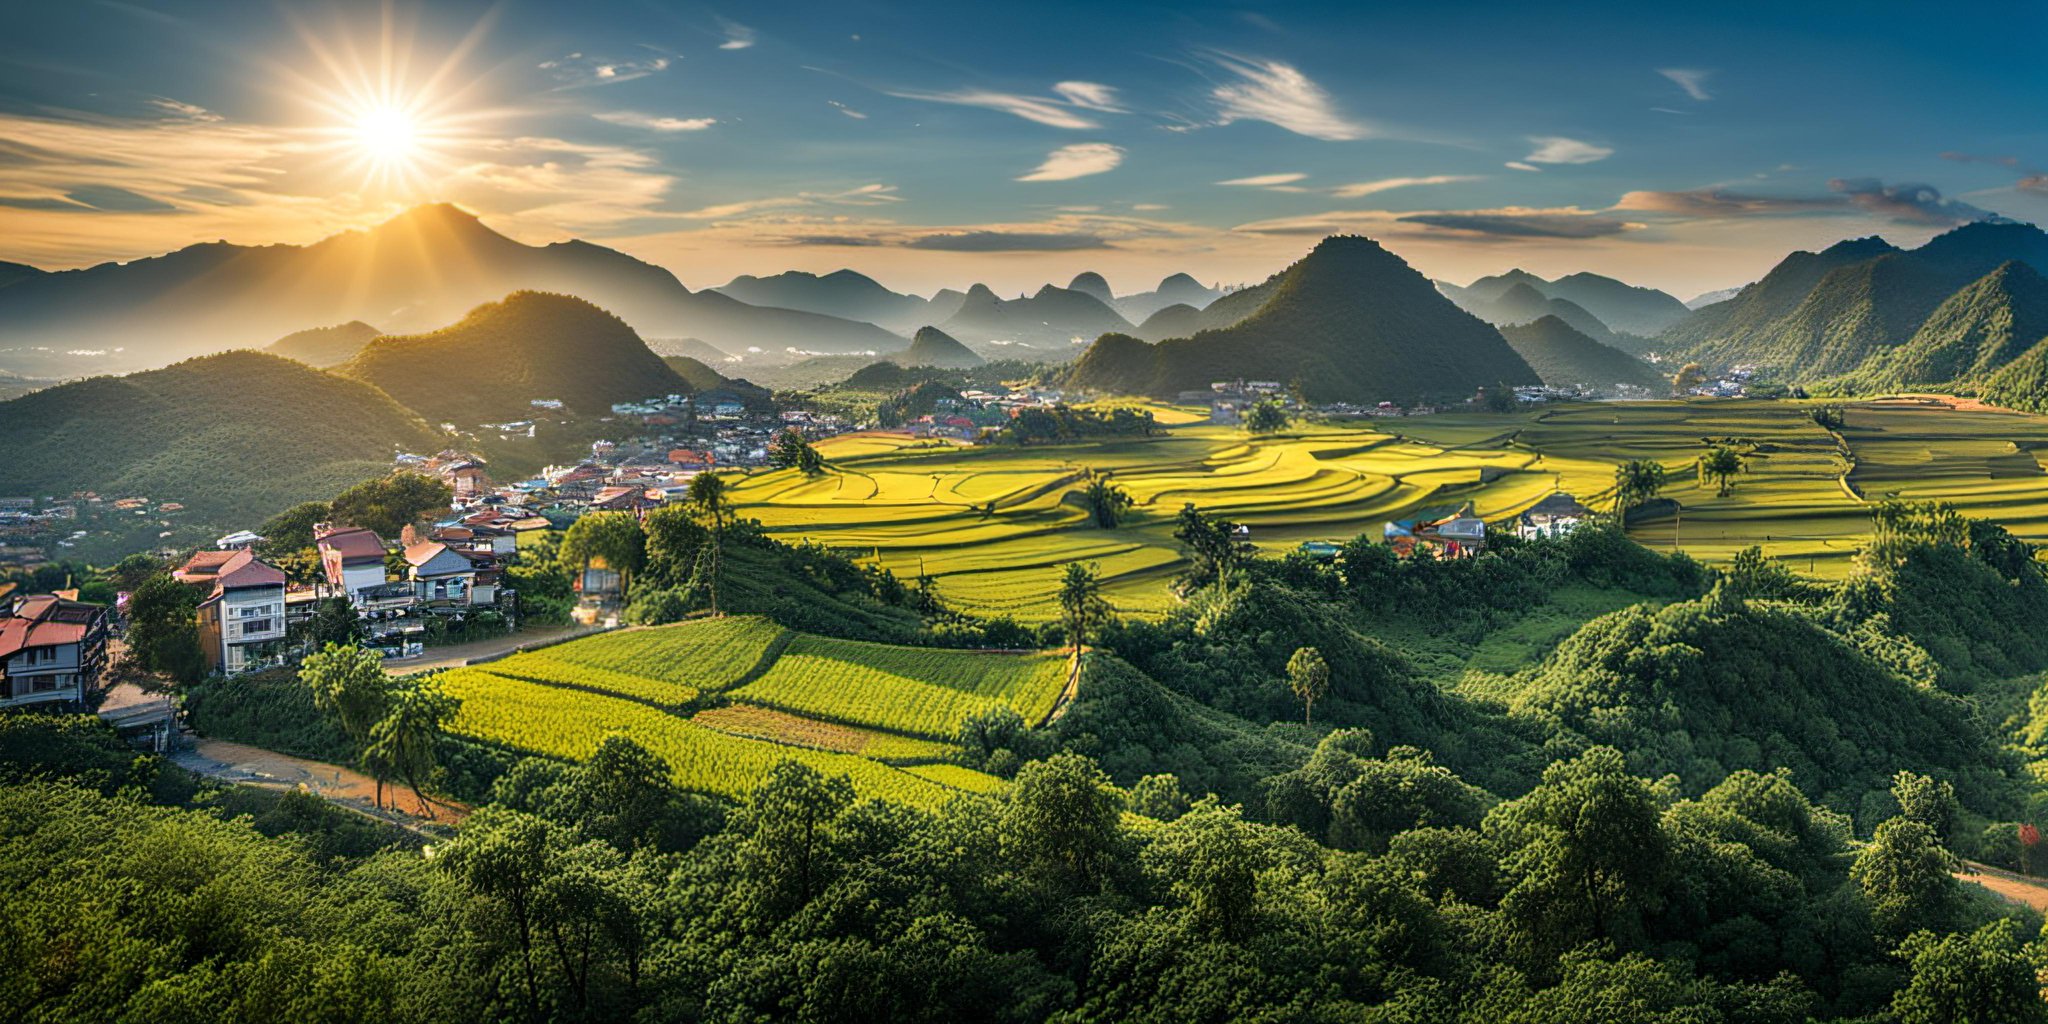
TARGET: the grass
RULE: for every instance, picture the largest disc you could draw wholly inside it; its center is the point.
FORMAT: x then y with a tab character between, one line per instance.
916	691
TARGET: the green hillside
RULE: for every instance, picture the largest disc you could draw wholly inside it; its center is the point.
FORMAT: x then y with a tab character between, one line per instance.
504	354
235	437
1565	357
1973	334
1350	321
324	346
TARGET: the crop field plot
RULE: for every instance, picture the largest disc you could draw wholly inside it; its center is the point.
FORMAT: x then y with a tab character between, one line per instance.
996	526
916	691
760	693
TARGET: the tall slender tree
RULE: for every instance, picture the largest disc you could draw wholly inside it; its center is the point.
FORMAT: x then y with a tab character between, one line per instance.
707	496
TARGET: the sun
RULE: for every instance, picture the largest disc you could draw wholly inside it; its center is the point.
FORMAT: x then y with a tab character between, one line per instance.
388	136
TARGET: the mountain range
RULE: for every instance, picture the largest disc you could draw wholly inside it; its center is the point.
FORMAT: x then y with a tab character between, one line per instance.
1618	306
1048	321
1348	322
1566	357
416	271
324	346
1831	313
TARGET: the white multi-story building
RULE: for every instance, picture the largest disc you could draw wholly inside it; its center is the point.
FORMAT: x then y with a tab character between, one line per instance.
242	618
51	651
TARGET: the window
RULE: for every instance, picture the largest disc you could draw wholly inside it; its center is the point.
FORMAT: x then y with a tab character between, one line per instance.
255	626
43	684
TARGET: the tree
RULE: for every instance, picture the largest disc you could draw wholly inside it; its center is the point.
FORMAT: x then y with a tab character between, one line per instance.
1106	502
292	529
1589	853
130	573
388	505
349	685
1688	377
1159	797
616	538
626	790
707	497
1635	482
1082	609
1928	802
1967	979
504	855
1308	675
791	450
1266	417
1498	399
1827	417
1907	878
163	628
1210	543
334	621
788	853
1720	463
407	740
1061	823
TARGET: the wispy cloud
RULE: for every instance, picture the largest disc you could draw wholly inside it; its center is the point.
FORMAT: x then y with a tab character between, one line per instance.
1517	165
1090	95
180	108
1976	158
848	111
1905	203
865	195
1278	93
577	70
737	36
1150	207
1010	241
1266	180
1077	161
1692	80
1041	109
632	119
1367	188
1481	226
1556	149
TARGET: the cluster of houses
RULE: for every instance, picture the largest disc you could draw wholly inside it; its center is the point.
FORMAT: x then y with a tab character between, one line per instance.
53	649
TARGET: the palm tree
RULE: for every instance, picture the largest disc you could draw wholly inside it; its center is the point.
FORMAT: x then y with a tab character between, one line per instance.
707	494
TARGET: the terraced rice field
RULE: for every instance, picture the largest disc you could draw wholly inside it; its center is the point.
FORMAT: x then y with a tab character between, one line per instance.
722	700
996	526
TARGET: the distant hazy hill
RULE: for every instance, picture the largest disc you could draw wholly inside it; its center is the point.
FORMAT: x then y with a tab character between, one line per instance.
842	293
13	272
1565	357
1709	298
691	347
235	437
1050	319
1181	320
420	269
492	363
1089	282
702	378
1973	334
1173	289
324	346
1350	321
934	347
1827	313
1618	306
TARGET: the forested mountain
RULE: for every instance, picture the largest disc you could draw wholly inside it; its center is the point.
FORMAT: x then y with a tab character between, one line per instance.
1049	319
1181	319
1827	313
1350	321
1619	306
1970	336
234	437
846	294
13	272
1565	357
934	347
494	362
420	269
324	346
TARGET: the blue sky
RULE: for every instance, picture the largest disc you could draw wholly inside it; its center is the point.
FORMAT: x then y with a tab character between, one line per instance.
939	144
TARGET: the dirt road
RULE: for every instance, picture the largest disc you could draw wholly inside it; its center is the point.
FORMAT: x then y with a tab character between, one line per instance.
239	763
2031	892
458	655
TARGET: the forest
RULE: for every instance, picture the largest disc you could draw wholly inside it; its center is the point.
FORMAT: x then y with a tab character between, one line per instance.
1732	796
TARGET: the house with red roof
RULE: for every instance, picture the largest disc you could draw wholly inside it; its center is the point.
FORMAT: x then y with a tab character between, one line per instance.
352	558
242	615
52	651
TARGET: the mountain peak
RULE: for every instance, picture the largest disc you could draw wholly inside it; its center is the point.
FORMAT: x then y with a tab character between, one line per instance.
1181	280
1089	282
441	214
1860	248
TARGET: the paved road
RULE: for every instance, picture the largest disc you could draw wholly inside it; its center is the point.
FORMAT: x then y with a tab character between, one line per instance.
246	765
458	655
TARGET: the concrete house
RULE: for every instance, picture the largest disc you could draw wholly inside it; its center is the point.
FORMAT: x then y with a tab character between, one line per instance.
353	560
451	578
242	616
52	651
